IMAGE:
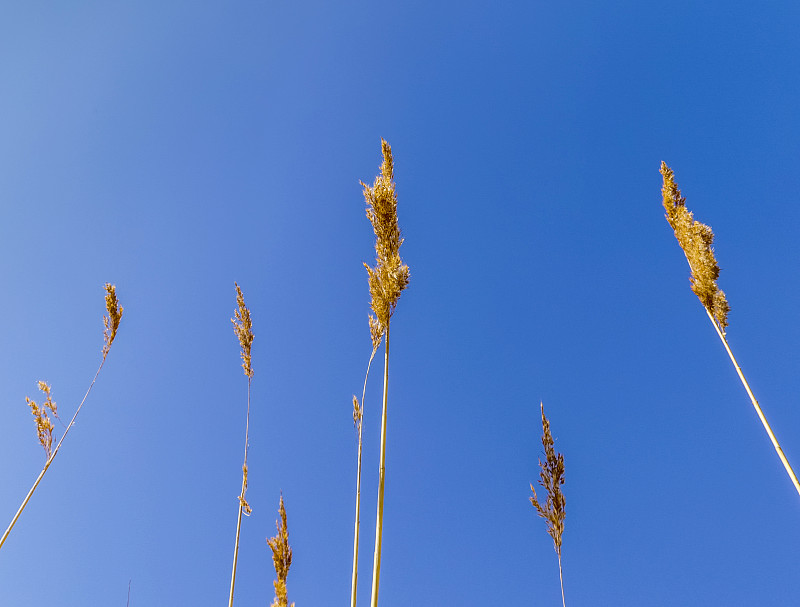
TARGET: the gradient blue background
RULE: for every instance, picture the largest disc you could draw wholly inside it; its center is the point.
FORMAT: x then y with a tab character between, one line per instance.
174	148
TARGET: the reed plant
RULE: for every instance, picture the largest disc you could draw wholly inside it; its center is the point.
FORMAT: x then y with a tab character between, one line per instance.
281	558
387	279
551	477
696	240
44	426
243	328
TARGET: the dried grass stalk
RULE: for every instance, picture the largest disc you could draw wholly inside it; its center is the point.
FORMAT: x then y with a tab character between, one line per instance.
551	477
387	280
358	420
43	424
281	558
243	328
696	241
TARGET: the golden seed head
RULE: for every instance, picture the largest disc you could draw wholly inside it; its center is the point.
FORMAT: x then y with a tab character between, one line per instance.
358	413
44	426
243	327
390	275
245	506
551	477
281	558
696	240
111	322
375	332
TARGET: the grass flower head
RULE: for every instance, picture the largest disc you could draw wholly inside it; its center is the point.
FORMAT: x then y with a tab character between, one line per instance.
44	426
243	327
551	477
696	240
389	276
111	321
282	559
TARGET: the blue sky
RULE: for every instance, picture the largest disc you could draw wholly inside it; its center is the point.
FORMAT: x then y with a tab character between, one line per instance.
173	149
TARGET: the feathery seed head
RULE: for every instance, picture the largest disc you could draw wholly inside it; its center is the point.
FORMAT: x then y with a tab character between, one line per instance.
376	332
696	240
551	477
246	509
281	558
111	322
389	276
243	327
44	426
358	413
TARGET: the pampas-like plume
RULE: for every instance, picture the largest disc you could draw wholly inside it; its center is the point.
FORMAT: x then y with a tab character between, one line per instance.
389	276
696	239
243	327
551	477
386	281
43	424
281	558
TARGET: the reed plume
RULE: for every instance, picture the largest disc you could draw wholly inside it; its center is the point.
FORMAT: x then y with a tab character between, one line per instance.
281	558
551	477
387	279
696	240
243	328
44	426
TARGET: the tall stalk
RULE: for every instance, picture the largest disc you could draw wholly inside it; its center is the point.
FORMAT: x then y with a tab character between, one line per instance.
376	564
387	280
696	240
358	420
111	323
243	328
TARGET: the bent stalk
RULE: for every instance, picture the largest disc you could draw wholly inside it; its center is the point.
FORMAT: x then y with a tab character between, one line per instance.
111	323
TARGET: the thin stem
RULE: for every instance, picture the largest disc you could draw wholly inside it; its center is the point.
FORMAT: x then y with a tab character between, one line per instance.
53	455
241	497
561	577
376	567
358	487
757	407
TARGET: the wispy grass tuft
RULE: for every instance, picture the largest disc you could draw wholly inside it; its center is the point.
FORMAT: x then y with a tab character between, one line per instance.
44	426
387	280
281	558
243	328
696	240
551	477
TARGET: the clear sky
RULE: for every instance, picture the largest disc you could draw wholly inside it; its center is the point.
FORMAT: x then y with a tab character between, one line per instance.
173	148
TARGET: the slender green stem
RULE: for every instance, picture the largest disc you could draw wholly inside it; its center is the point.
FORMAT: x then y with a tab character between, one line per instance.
241	497
757	407
52	456
376	567
358	488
